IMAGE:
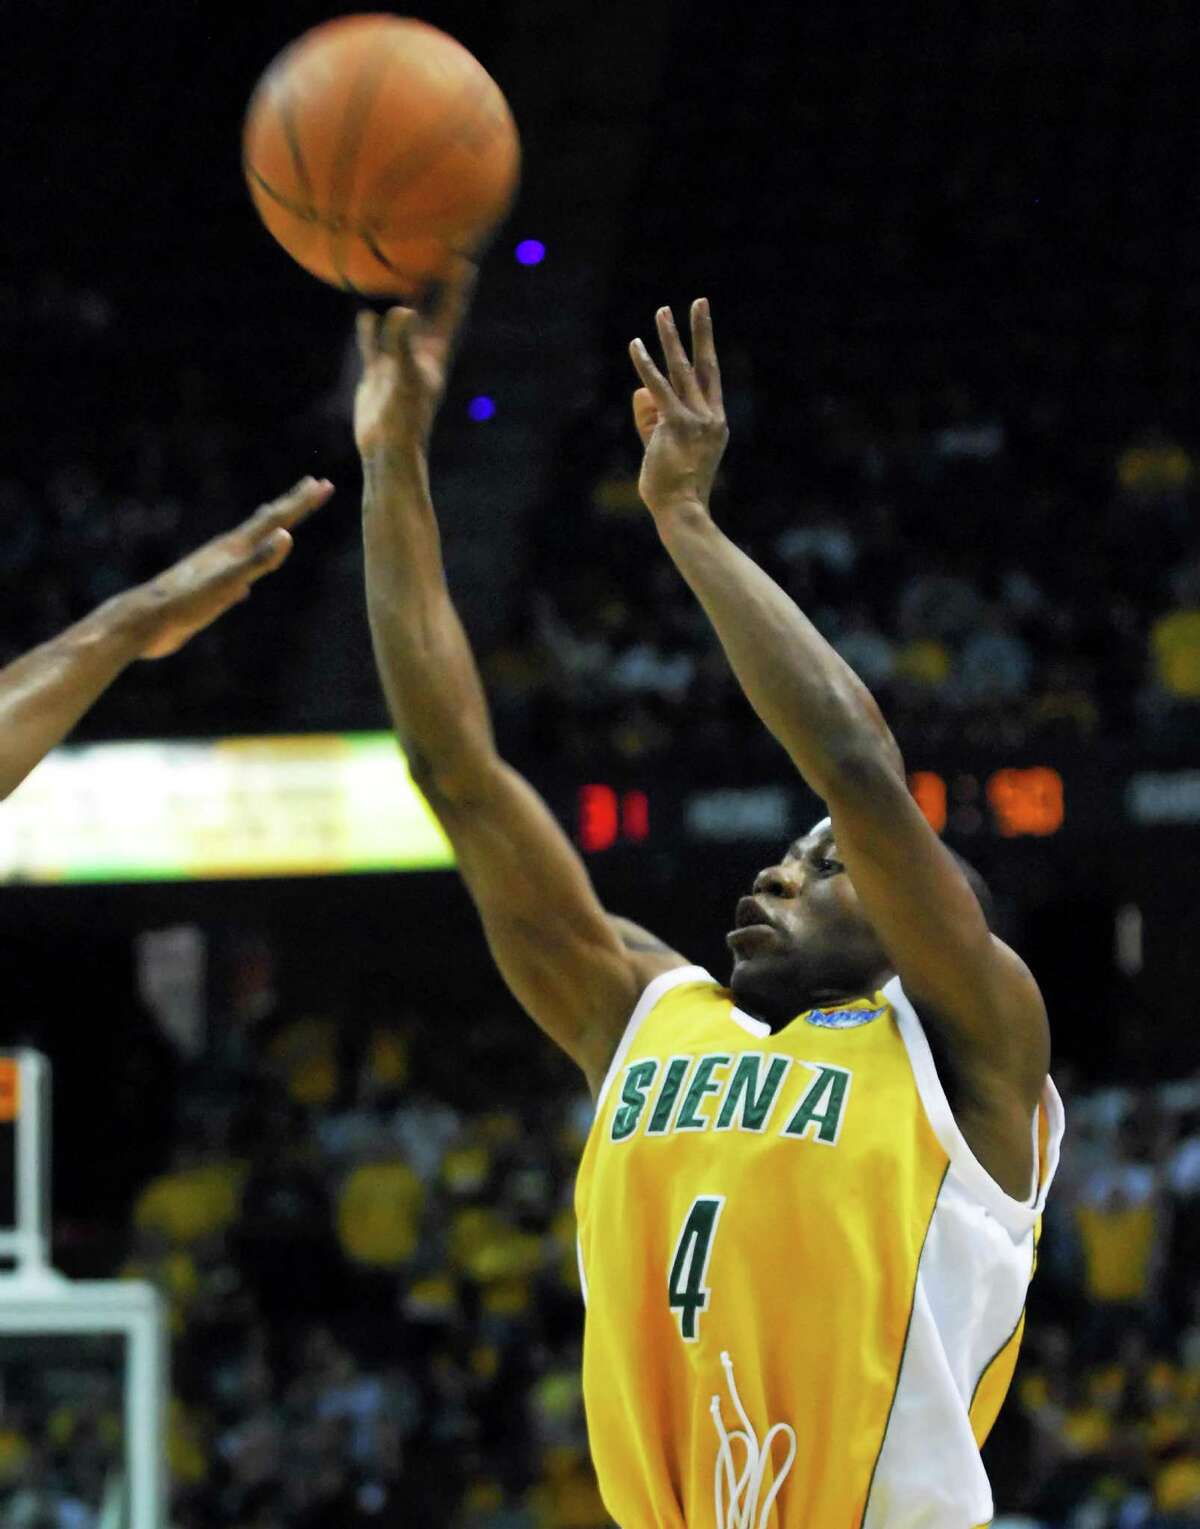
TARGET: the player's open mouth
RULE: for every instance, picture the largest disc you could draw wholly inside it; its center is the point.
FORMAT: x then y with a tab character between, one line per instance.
750	914
750	924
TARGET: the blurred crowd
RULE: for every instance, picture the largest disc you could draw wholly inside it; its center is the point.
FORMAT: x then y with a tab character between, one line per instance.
368	1256
144	463
373	1294
980	597
986	585
1102	1428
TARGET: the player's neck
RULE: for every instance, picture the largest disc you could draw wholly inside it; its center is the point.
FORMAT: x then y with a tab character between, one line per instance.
779	1009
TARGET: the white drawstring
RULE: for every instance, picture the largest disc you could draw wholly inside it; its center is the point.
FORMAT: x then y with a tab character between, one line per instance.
736	1513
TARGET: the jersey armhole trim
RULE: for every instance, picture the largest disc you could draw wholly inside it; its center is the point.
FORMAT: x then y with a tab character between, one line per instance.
651	993
582	1271
1015	1215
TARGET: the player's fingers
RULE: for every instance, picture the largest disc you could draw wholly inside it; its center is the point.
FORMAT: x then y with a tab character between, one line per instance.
452	301
367	327
683	378
645	414
395	332
289	509
704	349
655	383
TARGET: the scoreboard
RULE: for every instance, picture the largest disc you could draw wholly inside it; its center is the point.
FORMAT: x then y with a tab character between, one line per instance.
329	804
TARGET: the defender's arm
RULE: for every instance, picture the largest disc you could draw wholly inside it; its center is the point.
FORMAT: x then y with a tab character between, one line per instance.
559	953
44	693
977	992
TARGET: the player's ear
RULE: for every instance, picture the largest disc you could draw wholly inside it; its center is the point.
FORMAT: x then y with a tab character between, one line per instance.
645	414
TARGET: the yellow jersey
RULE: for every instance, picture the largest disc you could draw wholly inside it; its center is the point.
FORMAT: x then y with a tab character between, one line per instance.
804	1293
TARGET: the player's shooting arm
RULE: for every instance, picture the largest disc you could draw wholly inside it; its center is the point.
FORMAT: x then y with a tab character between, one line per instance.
977	991
44	693
568	965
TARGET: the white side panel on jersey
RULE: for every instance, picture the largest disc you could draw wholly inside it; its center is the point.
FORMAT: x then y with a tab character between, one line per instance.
972	1282
971	1288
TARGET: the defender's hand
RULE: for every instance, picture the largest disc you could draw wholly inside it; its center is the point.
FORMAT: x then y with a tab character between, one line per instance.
406	359
189	596
681	420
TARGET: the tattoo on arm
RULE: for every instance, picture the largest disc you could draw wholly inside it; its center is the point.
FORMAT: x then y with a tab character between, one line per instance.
635	939
644	942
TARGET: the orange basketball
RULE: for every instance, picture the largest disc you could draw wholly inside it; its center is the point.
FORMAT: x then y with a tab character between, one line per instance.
376	149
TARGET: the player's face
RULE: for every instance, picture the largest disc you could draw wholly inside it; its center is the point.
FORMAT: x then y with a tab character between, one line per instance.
802	937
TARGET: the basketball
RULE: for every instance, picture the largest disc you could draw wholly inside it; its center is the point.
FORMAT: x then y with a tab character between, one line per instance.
377	149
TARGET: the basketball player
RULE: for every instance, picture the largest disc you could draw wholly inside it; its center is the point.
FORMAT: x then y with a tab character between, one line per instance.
46	691
810	1196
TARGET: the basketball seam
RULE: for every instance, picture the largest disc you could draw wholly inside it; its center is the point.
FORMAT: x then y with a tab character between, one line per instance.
414	158
309	215
287	121
353	124
462	119
368	238
305	214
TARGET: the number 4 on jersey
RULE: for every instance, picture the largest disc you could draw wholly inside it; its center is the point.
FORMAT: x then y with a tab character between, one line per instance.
686	1291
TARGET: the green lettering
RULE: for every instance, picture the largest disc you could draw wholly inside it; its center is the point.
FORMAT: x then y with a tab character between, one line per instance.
822	1106
687	1293
756	1103
671	1084
702	1083
638	1079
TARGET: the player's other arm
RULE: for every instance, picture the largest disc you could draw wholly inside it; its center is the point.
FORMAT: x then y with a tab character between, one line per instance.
978	992
46	691
575	971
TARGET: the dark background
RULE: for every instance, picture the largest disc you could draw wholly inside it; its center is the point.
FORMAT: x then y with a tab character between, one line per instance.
911	221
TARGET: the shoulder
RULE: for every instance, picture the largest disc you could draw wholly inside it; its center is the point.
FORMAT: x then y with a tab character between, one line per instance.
650	960
649	956
1011	1046
989	1095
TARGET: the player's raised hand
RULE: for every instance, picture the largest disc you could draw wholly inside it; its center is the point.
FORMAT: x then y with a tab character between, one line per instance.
406	358
191	594
680	417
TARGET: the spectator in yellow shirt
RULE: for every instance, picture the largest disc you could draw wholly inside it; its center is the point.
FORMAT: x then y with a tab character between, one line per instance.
379	1210
198	1195
1120	1224
1154	469
1177	1484
1172	692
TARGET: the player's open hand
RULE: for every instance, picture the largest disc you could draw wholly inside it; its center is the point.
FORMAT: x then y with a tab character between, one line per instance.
406	360
680	417
192	593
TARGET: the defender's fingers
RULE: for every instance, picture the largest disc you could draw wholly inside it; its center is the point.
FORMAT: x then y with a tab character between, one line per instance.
268	555
645	414
367	327
708	370
289	509
656	384
683	379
